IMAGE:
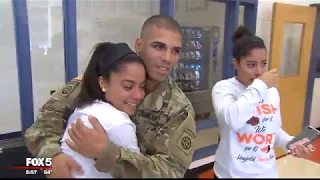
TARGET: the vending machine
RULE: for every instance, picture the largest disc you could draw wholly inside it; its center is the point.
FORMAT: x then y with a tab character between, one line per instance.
194	73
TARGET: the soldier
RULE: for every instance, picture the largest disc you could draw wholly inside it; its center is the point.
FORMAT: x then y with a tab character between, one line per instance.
165	120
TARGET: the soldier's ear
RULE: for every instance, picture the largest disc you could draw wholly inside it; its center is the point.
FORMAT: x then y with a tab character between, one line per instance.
138	45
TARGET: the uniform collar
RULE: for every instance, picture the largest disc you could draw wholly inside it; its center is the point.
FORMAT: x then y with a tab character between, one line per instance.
154	100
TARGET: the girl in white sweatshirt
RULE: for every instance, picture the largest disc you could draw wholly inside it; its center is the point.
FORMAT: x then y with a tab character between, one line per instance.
248	111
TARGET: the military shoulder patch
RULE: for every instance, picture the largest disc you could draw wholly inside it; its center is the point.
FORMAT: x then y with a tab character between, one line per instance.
186	141
70	86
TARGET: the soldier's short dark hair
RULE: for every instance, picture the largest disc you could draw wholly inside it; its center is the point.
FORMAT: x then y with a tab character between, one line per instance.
106	59
160	21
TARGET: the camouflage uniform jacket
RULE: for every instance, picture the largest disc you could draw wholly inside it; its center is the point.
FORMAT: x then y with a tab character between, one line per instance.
166	133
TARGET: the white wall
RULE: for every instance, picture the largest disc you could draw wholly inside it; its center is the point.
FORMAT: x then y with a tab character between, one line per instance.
264	30
110	20
315	114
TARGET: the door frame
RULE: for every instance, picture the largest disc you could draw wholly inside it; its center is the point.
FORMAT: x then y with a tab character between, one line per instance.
312	68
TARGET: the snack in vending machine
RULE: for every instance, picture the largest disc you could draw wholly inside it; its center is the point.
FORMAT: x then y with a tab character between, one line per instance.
181	55
193	54
187	55
186	76
198	55
181	77
192	76
189	44
194	44
197	74
191	86
198	45
199	35
181	65
197	84
193	33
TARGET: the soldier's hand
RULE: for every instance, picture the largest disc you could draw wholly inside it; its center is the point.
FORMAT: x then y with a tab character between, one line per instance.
63	166
86	141
270	78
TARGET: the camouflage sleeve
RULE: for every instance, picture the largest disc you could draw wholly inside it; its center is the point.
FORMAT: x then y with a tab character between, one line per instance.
43	137
123	163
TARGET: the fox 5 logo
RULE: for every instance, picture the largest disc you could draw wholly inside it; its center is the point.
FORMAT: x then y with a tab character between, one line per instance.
44	162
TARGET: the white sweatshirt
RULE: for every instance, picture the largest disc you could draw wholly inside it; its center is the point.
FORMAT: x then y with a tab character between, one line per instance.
250	126
117	124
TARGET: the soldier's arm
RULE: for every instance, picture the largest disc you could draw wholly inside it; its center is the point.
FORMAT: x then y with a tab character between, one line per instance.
123	163
43	137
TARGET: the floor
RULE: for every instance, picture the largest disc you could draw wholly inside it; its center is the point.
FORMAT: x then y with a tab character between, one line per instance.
293	167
